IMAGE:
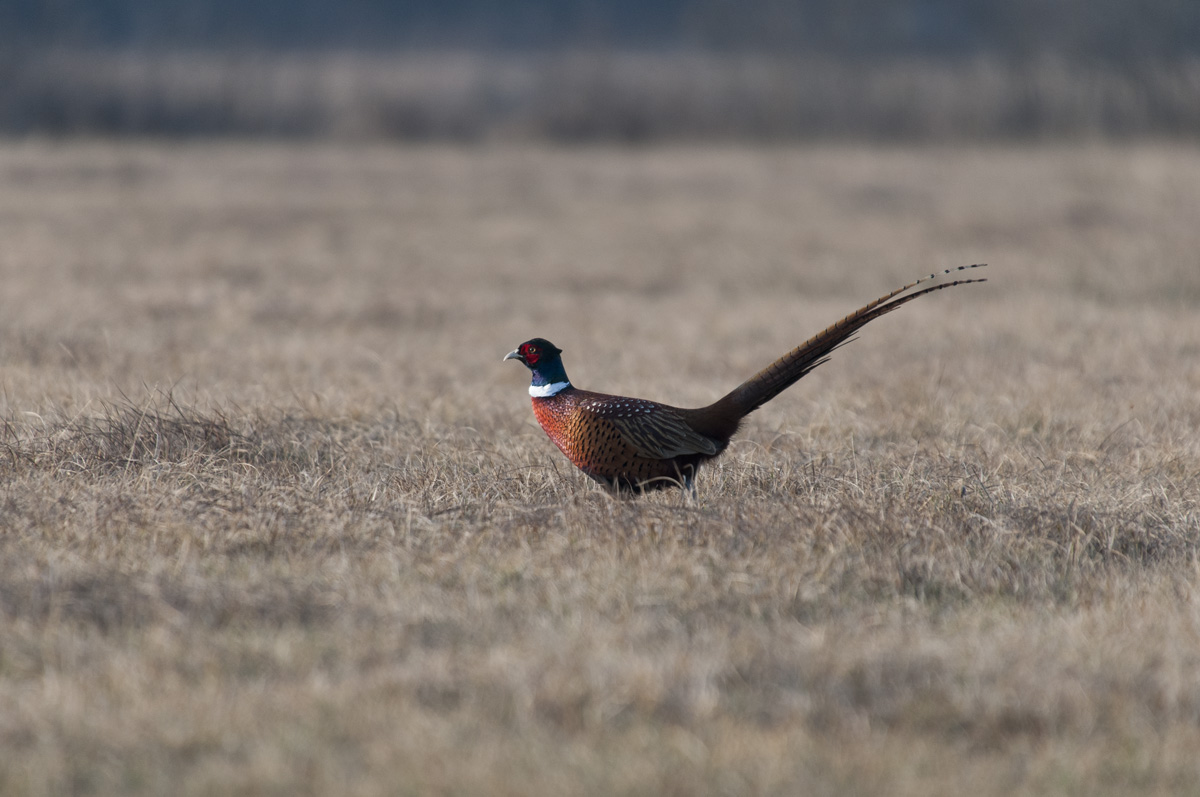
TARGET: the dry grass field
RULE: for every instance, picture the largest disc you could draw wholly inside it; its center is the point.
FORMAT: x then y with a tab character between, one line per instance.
275	518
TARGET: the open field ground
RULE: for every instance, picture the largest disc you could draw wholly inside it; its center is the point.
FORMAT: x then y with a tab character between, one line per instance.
275	519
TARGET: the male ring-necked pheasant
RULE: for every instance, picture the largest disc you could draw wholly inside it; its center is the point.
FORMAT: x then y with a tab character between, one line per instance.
634	444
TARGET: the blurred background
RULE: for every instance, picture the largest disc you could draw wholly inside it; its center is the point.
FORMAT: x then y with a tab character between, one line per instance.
584	70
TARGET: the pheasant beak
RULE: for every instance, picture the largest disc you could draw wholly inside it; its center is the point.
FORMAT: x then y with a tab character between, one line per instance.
515	354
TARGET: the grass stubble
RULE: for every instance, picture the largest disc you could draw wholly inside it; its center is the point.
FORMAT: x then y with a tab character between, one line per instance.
276	519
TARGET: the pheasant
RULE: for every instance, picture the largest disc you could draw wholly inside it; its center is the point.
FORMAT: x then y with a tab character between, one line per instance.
632	444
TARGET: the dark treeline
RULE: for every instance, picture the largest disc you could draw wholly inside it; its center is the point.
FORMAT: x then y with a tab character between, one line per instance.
1104	30
628	70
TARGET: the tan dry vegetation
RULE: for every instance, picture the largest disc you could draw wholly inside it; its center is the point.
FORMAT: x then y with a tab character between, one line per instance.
276	519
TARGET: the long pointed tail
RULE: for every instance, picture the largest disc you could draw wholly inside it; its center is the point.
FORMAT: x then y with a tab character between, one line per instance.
788	369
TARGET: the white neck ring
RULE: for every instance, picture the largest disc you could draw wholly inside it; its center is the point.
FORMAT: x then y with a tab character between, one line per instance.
545	391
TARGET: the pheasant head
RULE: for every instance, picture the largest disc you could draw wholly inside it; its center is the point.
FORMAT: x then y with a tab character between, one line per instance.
541	357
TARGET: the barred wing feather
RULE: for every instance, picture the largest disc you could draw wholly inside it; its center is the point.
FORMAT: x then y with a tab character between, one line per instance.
663	434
